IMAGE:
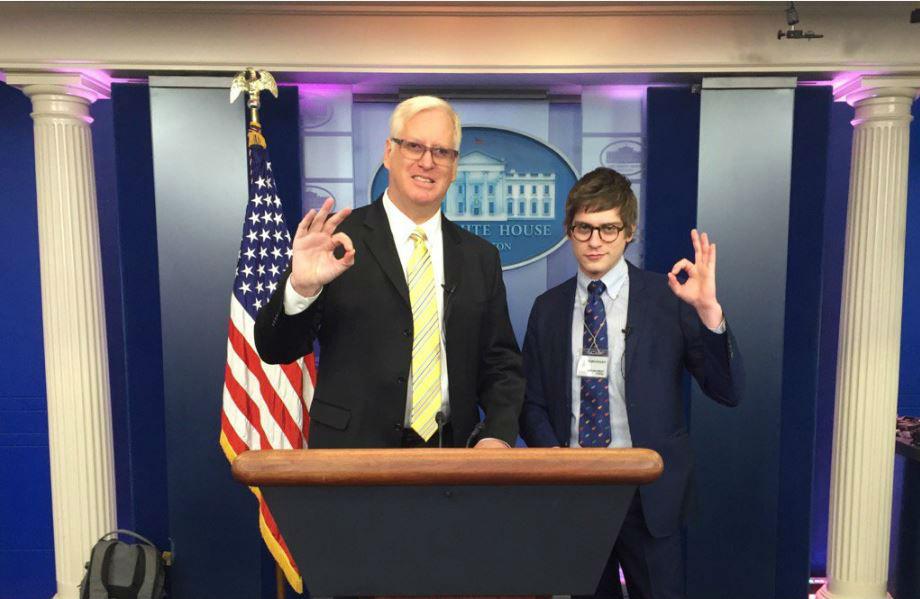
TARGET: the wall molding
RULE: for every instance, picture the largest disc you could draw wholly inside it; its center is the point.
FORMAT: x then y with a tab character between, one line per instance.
458	37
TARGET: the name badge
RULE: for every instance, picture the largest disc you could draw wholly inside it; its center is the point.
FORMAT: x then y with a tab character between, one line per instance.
593	367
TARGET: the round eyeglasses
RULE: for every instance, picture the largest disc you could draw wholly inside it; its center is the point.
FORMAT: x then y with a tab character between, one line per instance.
415	151
607	232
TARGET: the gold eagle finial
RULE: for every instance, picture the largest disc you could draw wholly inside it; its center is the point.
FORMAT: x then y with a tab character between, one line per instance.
253	82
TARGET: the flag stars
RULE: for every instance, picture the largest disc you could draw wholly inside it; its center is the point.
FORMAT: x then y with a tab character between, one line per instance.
257	304
254	218
263	253
272	286
250	253
260	182
259	287
251	236
261	269
247	271
265	235
245	288
274	270
276	253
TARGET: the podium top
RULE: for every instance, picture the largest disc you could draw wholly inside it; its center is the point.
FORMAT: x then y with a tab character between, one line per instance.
430	467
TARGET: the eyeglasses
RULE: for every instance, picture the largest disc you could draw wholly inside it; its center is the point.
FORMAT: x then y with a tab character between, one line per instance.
415	151
607	232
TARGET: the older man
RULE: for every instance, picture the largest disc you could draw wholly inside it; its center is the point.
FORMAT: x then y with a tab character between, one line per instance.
409	309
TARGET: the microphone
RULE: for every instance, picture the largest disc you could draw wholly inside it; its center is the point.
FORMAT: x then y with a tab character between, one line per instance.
626	331
441	419
448	295
475	433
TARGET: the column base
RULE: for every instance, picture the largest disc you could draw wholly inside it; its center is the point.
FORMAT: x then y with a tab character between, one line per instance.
856	591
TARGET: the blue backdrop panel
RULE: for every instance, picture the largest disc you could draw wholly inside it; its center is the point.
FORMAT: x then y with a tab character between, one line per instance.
565	131
26	540
282	134
745	160
133	319
672	164
801	338
909	383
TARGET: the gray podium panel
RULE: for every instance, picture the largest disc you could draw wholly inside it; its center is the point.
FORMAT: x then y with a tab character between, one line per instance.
450	540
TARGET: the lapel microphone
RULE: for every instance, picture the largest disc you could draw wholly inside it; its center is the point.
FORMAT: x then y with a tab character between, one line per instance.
448	294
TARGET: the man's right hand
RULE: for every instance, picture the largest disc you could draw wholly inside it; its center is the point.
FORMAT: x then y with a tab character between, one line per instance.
313	263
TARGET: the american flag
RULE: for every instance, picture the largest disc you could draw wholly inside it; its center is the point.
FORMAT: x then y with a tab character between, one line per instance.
265	406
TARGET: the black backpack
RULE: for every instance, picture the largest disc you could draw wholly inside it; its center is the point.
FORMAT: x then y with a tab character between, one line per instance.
118	570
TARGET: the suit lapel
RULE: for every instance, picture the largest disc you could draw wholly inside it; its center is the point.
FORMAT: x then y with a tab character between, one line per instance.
564	335
452	245
379	240
635	320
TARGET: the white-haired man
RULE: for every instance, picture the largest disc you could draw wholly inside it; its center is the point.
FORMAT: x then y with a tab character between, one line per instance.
409	309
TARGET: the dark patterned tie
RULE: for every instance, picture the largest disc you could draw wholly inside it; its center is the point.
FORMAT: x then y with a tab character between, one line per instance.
594	421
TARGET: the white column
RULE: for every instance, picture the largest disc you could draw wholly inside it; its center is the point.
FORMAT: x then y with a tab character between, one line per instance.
870	338
73	318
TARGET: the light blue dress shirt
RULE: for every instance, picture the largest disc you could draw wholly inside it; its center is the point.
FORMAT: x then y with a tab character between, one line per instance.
616	302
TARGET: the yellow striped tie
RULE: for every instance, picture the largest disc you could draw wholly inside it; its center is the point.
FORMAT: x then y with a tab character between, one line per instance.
426	345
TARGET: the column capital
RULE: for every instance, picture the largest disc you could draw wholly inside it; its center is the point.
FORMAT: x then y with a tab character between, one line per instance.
863	87
82	85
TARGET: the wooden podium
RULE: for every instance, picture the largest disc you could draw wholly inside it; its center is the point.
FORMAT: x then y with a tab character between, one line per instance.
449	521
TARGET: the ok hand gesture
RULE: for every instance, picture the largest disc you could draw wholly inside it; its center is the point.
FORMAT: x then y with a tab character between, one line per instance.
313	263
700	288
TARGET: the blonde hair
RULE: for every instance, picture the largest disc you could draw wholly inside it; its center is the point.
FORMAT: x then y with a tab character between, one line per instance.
411	107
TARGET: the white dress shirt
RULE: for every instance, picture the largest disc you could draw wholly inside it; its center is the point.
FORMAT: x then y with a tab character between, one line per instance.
401	227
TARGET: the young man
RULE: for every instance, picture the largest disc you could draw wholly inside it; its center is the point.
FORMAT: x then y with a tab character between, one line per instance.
604	357
412	319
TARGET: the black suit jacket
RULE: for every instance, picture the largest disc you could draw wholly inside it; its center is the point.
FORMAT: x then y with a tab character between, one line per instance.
363	322
664	336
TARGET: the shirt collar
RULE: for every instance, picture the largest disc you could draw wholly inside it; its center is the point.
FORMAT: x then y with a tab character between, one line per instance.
613	279
402	226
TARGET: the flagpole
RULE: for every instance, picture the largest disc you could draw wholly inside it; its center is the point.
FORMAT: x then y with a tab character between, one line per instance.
279	582
253	82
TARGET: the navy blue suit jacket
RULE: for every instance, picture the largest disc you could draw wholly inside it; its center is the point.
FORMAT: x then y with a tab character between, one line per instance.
664	337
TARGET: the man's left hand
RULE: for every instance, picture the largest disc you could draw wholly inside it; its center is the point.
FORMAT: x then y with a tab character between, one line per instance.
699	290
489	443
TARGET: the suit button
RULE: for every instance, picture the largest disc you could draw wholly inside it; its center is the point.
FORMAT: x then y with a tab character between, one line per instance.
401	380
398	427
407	333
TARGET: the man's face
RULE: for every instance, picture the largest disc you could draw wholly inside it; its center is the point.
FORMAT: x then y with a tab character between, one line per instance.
596	256
418	186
